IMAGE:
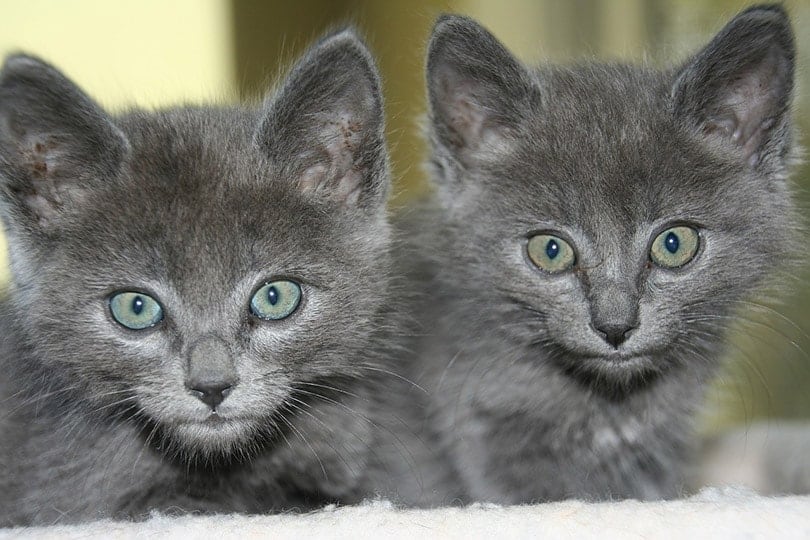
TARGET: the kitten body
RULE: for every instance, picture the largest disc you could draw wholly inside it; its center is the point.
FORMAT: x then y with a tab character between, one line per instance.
216	405
583	380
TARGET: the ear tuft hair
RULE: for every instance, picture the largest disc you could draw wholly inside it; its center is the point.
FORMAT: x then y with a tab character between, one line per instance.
54	139
738	88
326	124
478	91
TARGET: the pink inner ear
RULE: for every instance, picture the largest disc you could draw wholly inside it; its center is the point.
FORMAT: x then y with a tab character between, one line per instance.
336	177
312	178
39	154
46	194
41	207
754	103
467	120
747	108
474	131
463	114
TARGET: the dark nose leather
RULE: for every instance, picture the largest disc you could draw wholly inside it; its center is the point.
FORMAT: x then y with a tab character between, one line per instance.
614	334
212	394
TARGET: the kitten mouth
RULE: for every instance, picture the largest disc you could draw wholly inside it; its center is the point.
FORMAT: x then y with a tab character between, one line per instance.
619	358
615	358
615	375
214	435
619	363
624	365
214	419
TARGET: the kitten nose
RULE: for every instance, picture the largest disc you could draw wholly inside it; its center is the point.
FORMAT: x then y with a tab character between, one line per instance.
614	334
211	393
211	373
614	309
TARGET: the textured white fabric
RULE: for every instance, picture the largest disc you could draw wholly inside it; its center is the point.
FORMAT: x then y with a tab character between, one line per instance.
713	513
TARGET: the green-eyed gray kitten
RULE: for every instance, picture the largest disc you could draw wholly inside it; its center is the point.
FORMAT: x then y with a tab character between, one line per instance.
194	316
599	225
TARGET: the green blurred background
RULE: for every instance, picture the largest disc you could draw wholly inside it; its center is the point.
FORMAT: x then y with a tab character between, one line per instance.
153	53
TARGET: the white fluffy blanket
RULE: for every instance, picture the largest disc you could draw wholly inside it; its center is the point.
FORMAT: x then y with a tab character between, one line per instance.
769	458
713	513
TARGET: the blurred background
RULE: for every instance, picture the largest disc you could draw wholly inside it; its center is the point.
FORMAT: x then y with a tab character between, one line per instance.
153	53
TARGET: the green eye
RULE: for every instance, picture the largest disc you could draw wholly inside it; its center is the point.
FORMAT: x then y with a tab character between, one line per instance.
276	300
550	253
135	310
675	247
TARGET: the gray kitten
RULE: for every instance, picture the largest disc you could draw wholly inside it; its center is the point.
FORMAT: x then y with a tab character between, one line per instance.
198	294
599	225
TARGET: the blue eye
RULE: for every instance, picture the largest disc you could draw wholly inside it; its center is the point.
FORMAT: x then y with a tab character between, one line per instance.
276	300
135	310
675	247
550	253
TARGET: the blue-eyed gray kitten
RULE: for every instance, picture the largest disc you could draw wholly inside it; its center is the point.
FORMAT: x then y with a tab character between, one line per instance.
196	298
599	225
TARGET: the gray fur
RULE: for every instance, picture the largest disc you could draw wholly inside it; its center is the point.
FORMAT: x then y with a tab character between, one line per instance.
199	207
529	401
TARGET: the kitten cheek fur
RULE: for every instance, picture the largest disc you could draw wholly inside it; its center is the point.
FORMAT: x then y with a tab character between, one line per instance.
608	156
197	207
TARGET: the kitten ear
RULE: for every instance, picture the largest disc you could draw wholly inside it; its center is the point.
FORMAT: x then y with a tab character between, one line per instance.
478	91
53	140
326	127
738	89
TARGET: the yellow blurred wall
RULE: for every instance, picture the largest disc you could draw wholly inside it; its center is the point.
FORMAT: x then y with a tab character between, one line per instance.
146	52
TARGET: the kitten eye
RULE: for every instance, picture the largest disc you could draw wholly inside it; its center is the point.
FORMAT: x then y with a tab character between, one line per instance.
675	247
276	300
135	310
550	253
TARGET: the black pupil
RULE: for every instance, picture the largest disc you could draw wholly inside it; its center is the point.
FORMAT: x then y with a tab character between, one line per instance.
552	249
672	243
137	305
272	296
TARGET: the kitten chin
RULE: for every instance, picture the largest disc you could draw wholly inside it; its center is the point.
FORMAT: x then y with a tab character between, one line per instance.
595	229
245	422
195	320
215	436
615	374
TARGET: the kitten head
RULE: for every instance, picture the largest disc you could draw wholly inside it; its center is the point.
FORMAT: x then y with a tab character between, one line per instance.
610	216
200	271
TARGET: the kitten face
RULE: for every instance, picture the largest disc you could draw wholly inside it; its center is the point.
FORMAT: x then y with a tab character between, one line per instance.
612	216
200	271
208	253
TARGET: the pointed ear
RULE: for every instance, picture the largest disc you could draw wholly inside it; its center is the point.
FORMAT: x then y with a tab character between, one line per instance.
53	141
738	89
478	91
325	127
